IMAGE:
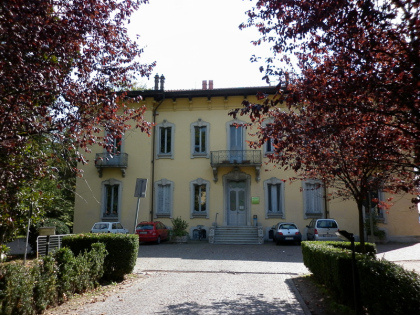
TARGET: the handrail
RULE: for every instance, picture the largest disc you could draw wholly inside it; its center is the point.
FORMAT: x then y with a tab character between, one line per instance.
215	221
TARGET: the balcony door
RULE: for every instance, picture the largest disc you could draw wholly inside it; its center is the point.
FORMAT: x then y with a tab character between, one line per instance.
236	144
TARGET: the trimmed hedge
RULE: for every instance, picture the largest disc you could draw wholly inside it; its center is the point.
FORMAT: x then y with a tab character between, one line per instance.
386	286
383	285
122	251
50	281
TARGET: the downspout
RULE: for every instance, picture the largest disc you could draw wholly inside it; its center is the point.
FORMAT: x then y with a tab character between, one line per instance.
327	212
153	157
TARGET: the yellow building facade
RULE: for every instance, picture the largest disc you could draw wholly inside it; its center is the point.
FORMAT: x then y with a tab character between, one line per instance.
198	167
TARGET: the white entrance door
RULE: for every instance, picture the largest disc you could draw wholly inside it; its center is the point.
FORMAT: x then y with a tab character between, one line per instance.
237	210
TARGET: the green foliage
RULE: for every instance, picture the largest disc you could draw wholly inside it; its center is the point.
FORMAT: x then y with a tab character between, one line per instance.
383	285
179	227
67	272
122	251
387	286
50	280
3	250
45	289
16	287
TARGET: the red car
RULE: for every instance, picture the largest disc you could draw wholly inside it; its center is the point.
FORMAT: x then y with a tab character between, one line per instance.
152	231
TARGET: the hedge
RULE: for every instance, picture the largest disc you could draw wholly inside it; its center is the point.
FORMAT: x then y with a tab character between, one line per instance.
382	286
50	281
122	251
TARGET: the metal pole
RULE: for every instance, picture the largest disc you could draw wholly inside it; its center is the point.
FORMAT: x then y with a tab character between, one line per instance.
137	214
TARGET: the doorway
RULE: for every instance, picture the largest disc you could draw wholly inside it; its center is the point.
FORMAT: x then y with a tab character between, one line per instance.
237	207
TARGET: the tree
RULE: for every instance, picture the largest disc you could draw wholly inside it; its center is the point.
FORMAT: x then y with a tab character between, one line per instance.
350	78
61	63
360	50
351	162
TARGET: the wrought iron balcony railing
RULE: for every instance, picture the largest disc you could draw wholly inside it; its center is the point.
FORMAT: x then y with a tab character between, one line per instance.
107	160
236	158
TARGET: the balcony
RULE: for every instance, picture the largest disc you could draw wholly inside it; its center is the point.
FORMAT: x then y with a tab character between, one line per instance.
245	158
107	160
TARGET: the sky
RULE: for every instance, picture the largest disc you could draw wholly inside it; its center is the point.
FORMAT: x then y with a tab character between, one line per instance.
196	40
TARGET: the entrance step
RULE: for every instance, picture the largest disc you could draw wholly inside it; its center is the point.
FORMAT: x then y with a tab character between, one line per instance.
237	235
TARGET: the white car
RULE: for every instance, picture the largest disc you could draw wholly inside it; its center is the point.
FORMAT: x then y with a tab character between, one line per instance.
108	227
322	230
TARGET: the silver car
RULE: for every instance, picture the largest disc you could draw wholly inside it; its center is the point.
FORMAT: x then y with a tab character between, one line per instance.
322	230
108	227
285	232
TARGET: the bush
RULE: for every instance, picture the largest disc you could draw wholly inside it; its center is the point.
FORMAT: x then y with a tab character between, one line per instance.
122	251
383	285
45	276
387	286
179	227
49	281
16	289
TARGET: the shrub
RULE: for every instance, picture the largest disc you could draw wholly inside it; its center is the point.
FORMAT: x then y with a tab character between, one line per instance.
179	227
45	275
16	288
50	280
122	251
387	286
383	285
67	273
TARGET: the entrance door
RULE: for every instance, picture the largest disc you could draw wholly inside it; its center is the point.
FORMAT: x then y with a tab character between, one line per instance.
237	203
236	144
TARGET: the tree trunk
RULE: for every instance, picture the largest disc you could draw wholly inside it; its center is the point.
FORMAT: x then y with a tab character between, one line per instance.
361	227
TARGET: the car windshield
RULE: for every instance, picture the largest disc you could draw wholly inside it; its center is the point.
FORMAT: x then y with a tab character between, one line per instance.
288	226
145	227
328	224
100	226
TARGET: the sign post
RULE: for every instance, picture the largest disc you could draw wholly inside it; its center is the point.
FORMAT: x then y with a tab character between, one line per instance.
140	192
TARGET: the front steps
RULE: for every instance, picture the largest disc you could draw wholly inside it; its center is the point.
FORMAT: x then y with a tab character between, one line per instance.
236	235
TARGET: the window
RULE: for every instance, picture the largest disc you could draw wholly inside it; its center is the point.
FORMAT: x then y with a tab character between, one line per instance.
164	198
313	198
269	147
111	198
114	143
165	140
199	190
376	197
274	198
269	144
199	139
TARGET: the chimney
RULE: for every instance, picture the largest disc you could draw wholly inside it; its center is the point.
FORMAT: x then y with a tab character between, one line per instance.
204	85
156	82
210	84
162	82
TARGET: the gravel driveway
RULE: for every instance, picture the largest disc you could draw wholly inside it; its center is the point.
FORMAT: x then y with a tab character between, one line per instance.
203	278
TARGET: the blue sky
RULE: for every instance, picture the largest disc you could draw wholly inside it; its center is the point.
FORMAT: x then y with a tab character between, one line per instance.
195	40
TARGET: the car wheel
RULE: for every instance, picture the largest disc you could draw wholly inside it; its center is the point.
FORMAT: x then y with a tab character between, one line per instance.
158	240
277	243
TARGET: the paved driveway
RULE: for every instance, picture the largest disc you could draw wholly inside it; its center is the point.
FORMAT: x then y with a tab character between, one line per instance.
202	278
